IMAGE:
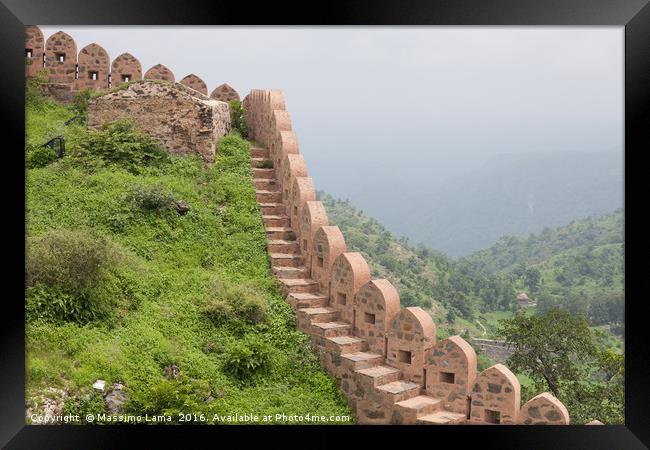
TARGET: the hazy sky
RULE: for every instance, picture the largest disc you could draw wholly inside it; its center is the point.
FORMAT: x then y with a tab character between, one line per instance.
376	106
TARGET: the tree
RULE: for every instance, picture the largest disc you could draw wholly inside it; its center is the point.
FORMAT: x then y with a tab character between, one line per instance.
559	352
548	348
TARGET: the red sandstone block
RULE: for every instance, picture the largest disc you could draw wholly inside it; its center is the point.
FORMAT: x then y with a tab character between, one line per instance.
273	209
345	344
281	246
307	300
285	260
297	285
268	184
360	360
398	391
291	272
280	233
406	412
263	173
330	329
377	376
257	152
322	314
275	220
266	196
441	418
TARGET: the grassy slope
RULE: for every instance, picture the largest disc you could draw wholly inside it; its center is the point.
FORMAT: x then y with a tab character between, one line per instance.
178	259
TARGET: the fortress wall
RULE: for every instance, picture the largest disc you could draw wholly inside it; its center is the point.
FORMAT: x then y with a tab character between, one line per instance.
401	340
92	68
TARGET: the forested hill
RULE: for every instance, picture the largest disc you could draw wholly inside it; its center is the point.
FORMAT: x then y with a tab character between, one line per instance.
578	266
509	195
510	251
416	273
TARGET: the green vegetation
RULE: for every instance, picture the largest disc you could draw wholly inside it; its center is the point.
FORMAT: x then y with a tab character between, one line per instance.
559	353
578	267
238	118
179	307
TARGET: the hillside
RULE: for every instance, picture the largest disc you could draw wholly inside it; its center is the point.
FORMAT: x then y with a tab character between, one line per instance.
150	272
509	195
577	266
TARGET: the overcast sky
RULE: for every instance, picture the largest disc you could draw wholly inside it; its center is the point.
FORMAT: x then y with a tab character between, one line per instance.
376	106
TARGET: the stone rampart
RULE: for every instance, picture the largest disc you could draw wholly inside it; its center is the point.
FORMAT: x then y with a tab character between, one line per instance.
385	358
91	68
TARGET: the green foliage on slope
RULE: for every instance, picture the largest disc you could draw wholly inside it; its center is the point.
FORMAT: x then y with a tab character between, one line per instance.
189	318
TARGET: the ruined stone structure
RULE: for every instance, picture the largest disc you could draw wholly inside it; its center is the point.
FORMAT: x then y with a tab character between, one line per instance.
385	358
183	120
91	68
499	351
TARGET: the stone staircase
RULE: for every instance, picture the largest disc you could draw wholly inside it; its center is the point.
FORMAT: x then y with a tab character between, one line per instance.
315	316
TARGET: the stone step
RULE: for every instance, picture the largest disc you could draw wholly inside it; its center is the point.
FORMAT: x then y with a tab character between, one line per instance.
407	411
268	184
263	173
305	317
275	220
261	163
291	272
360	360
398	391
292	285
273	209
320	314
378	375
266	196
441	418
345	344
282	233
258	152
282	246
286	260
301	300
331	329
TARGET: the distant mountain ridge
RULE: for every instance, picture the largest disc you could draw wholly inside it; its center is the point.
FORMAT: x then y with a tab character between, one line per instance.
509	195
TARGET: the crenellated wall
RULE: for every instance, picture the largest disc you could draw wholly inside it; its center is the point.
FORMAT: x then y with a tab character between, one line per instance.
91	68
385	358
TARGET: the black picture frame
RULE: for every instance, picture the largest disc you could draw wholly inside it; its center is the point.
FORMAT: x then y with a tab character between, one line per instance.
634	15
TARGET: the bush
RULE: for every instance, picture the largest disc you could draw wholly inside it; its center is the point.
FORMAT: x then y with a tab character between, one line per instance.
236	301
120	144
75	276
238	118
154	199
39	156
70	259
247	357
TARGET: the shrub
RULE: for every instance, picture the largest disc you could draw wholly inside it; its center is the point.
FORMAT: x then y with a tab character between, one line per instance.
238	118
81	101
247	357
166	397
70	259
73	275
154	199
238	301
39	156
120	144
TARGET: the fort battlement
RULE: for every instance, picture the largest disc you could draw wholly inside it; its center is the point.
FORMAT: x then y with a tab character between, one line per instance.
91	67
385	358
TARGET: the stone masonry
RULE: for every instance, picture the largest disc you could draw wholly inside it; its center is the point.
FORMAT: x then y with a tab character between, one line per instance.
181	119
69	72
385	358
